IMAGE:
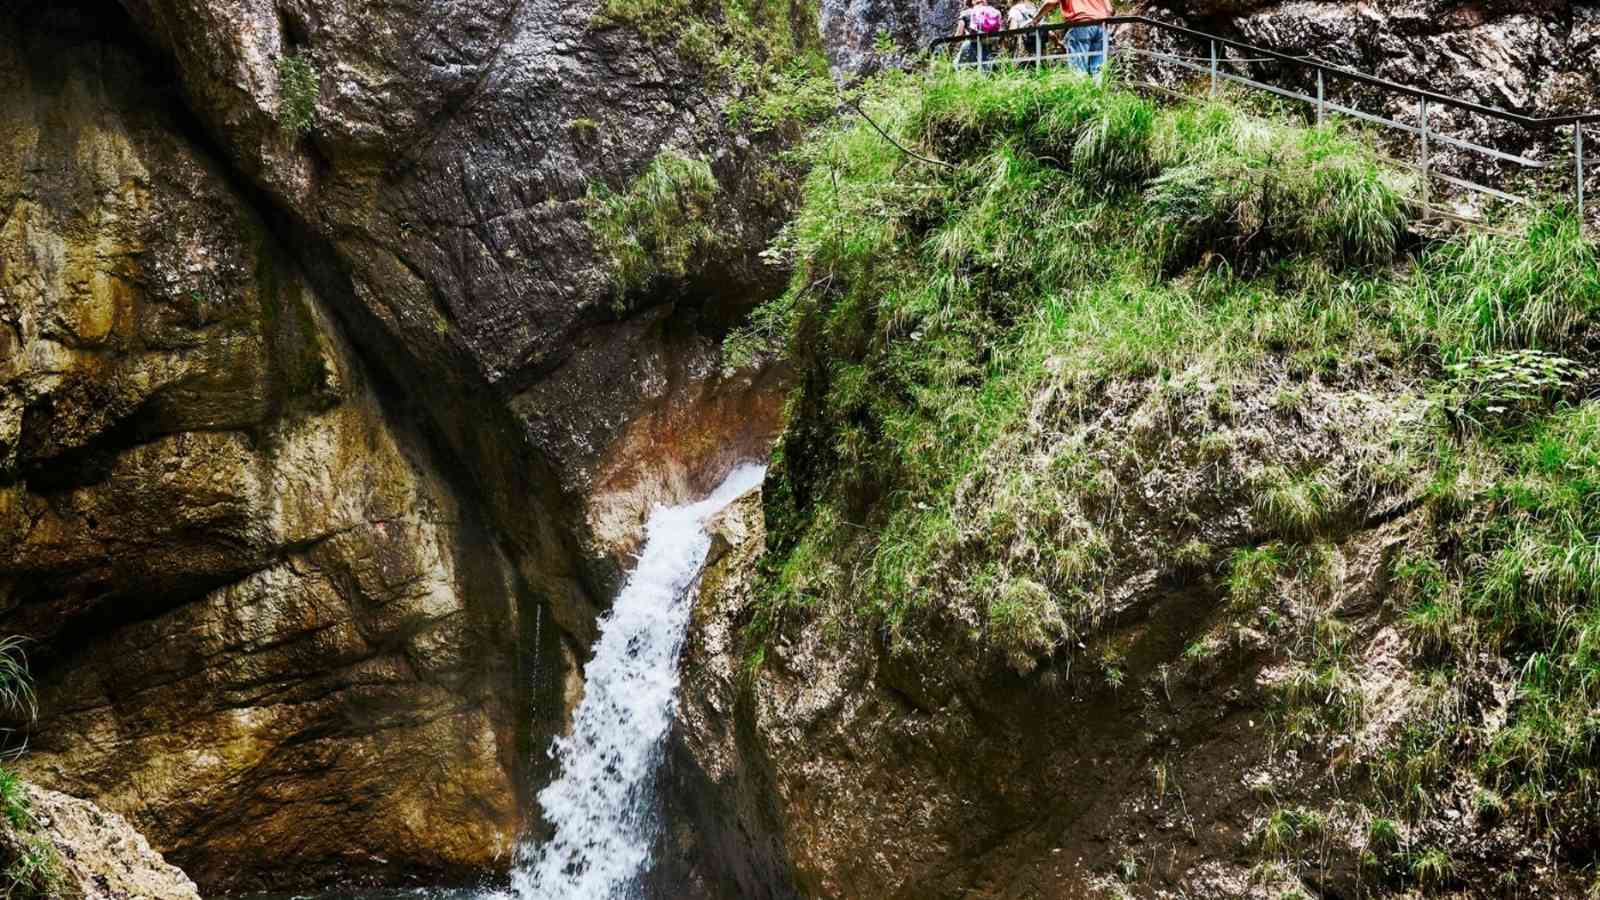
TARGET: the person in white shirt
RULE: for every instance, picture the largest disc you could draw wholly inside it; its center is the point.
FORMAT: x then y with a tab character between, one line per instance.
1020	15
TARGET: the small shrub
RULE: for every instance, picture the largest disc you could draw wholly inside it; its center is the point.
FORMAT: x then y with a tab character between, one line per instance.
298	89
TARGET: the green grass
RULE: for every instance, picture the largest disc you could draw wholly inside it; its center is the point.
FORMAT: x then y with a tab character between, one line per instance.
299	86
661	225
1295	505
992	355
30	865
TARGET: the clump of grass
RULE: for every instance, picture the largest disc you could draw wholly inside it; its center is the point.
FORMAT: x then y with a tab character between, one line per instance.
1295	505
661	224
1253	573
31	864
1250	191
1527	290
1286	831
1026	622
299	86
1433	868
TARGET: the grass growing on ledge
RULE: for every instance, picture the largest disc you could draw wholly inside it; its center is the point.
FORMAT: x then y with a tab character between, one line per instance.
659	224
956	332
931	311
30	865
298	90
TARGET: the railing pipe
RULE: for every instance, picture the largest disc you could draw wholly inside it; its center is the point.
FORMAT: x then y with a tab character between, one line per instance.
1322	101
1426	167
1577	129
1213	67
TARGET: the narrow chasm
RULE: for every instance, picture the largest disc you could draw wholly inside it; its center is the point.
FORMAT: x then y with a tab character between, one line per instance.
492	451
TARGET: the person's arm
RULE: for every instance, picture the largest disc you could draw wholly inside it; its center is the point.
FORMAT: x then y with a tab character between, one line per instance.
1044	10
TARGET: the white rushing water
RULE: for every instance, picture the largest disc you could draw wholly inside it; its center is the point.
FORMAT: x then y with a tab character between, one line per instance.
602	802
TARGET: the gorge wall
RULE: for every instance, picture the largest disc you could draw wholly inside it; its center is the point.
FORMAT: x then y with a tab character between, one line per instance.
317	454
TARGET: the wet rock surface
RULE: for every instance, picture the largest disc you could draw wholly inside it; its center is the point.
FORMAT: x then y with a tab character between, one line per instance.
440	198
264	625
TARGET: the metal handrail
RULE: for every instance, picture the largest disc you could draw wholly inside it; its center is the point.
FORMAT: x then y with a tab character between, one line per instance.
1309	61
1427	100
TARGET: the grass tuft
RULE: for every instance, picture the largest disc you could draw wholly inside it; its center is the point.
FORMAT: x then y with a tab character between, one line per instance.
299	86
661	225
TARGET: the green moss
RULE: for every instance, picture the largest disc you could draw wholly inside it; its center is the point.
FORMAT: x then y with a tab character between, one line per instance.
660	225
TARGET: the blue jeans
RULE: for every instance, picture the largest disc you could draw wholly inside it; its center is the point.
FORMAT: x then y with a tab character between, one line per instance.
1087	39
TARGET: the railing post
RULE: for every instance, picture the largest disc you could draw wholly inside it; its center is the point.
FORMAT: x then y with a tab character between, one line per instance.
1577	129
1105	52
1426	162
1213	67
1322	104
1038	48
981	66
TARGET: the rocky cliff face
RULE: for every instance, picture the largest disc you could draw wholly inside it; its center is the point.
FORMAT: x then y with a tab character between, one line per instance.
267	627
439	199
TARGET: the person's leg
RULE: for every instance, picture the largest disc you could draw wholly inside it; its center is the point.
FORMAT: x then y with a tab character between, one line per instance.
1096	41
1078	45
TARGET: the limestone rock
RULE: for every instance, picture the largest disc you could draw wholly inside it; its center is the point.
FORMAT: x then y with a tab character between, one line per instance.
439	200
101	856
268	627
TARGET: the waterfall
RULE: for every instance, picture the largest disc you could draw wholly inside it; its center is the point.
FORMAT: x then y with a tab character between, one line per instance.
602	802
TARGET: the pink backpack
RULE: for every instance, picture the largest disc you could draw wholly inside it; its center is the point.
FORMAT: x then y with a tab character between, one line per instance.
986	19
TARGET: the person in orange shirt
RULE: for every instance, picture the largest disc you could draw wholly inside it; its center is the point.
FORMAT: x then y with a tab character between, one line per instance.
1086	42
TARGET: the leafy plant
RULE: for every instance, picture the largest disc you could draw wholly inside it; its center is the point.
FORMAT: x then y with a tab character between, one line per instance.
1499	389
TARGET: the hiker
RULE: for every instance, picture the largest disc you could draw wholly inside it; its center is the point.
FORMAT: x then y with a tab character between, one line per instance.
979	18
1085	41
1020	15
